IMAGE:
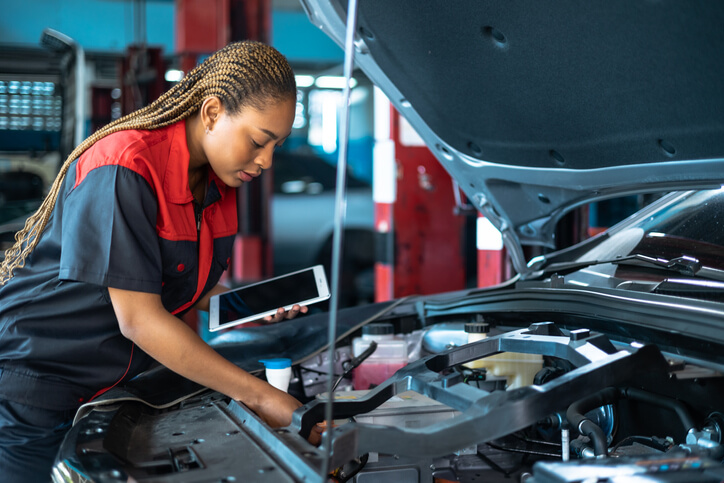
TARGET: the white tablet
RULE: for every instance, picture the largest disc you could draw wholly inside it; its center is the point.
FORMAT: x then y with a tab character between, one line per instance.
256	301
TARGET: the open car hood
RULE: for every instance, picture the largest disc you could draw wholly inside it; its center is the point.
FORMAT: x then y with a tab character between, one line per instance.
535	108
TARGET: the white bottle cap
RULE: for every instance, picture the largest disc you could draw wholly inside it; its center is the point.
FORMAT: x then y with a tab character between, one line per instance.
278	372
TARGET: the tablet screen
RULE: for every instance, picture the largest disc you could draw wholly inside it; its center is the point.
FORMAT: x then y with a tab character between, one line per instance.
266	296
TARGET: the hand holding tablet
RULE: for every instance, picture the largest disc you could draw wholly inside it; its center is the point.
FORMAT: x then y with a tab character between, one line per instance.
262	299
282	314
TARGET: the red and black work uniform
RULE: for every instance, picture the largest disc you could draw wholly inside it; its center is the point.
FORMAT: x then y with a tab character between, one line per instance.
125	218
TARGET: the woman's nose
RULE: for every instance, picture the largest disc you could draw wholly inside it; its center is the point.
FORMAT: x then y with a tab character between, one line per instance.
264	159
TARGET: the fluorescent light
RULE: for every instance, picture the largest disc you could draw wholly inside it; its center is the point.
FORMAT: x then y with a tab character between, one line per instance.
488	237
333	82
329	125
304	80
174	75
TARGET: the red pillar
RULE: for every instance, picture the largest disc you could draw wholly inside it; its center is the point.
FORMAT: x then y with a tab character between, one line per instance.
384	193
202	27
427	236
384	265
491	253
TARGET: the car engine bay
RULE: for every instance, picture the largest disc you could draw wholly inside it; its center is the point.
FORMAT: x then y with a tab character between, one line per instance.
480	400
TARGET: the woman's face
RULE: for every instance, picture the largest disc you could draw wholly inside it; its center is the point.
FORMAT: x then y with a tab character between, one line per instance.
239	147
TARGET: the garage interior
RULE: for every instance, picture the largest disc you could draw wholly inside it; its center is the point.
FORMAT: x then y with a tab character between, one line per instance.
68	68
60	81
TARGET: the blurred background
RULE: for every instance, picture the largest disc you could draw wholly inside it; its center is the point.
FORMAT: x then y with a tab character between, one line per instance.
68	67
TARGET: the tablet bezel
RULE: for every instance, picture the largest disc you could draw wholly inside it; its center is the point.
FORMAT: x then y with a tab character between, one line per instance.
322	287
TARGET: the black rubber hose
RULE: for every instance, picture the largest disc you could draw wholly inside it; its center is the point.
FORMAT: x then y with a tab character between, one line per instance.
577	410
353	363
593	431
585	426
661	401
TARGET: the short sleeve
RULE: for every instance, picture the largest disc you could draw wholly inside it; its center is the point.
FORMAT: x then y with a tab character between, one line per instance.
109	232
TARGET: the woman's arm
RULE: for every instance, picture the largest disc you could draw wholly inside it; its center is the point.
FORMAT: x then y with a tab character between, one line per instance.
203	302
143	319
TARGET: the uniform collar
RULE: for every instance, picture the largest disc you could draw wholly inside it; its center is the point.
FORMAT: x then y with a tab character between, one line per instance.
176	178
220	186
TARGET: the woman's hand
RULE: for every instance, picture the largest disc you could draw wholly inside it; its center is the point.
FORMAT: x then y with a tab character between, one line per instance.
275	407
286	314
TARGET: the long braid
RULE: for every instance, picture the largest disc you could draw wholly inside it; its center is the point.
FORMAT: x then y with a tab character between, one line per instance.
242	74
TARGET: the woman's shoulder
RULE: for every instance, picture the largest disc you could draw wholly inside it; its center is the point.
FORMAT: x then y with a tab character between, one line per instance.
140	150
134	142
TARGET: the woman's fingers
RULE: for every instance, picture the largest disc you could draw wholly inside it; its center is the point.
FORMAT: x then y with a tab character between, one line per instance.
286	314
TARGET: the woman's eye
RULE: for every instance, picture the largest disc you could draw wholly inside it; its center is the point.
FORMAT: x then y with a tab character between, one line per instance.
256	144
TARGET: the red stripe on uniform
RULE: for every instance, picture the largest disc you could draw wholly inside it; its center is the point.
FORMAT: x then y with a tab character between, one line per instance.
118	381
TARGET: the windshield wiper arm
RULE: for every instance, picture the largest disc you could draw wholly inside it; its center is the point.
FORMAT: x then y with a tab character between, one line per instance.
684	265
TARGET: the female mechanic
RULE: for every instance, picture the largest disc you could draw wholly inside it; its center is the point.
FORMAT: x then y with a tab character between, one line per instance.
136	230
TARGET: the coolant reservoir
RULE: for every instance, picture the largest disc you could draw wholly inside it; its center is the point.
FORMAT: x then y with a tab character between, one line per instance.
390	355
518	368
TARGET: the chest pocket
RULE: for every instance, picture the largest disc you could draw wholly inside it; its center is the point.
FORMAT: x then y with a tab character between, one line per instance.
180	272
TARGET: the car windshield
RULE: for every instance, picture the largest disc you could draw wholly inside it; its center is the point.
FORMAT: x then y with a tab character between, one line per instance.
689	224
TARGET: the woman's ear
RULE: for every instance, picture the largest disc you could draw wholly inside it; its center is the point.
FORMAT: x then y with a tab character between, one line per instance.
210	111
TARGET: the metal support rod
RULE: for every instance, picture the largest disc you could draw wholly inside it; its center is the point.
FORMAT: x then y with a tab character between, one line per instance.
565	444
80	90
60	43
339	213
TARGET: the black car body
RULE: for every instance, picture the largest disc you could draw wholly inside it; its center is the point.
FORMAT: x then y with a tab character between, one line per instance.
534	108
303	222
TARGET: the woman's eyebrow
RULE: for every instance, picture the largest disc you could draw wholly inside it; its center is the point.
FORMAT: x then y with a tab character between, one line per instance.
271	134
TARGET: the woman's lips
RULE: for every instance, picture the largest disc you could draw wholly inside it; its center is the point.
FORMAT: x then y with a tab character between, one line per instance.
245	177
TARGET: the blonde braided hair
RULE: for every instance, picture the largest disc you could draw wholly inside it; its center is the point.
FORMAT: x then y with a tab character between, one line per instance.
242	74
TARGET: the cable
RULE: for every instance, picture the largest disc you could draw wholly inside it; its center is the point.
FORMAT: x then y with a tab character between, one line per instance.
351	364
535	441
494	466
524	451
320	372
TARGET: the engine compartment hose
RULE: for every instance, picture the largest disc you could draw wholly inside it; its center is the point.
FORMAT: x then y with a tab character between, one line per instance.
665	402
576	417
576	412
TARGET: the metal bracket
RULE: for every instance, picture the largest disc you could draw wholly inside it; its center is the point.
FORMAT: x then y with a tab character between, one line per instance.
484	415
